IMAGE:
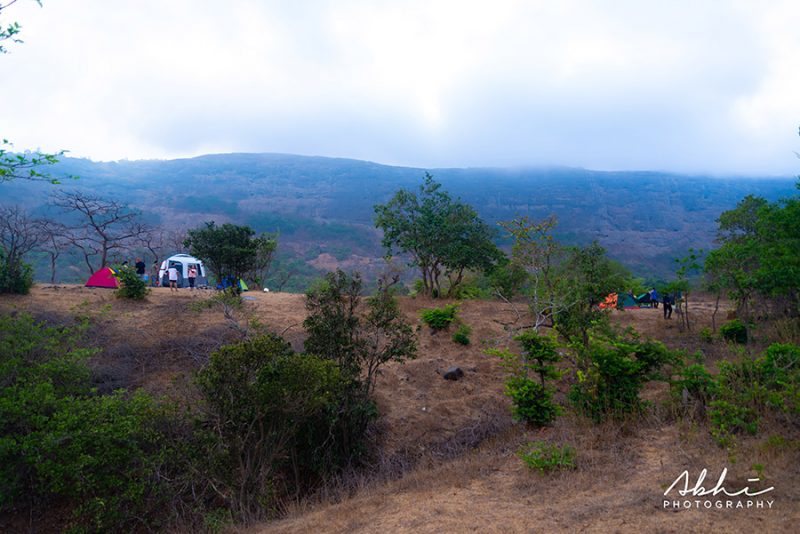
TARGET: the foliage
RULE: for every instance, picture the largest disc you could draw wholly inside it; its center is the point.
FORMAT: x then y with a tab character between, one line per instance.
697	383
613	370
735	331
359	342
19	236
545	457
588	276
15	277
130	285
540	355
461	336
231	251
273	410
532	400
728	419
706	334
745	391
507	278
108	455
757	263
439	318
442	236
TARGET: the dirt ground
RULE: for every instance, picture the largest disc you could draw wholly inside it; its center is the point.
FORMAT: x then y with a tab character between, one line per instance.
448	448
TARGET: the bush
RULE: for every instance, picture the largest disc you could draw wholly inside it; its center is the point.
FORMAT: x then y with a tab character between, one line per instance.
613	372
706	334
281	418
130	285
746	391
697	382
439	318
728	419
734	331
108	457
461	336
533	402
544	457
15	278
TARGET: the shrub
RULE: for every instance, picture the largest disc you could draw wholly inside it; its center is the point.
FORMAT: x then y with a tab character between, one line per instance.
728	419
130	285
698	383
706	334
271	409
108	457
734	331
359	341
439	318
15	277
613	371
533	402
461	336
544	457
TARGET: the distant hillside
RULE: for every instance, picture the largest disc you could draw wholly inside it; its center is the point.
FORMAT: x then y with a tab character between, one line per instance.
322	207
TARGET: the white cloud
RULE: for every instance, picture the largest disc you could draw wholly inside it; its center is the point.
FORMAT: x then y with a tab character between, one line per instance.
689	86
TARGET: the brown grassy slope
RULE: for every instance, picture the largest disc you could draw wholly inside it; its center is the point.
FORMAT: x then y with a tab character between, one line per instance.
158	344
623	470
429	426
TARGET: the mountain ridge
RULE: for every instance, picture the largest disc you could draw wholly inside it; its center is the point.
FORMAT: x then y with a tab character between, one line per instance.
324	206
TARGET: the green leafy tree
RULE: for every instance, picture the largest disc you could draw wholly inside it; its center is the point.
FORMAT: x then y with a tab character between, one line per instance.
443	237
757	264
231	252
130	285
360	342
589	276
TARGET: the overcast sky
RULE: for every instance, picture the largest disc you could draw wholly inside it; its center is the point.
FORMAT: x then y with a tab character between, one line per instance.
690	86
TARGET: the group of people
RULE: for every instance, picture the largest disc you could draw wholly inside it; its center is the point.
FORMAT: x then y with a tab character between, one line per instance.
667	300
173	274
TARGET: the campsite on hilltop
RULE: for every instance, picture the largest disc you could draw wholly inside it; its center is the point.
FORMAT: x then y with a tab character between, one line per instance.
185	394
567	299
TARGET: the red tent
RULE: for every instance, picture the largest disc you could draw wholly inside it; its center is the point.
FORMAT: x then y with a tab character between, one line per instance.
103	278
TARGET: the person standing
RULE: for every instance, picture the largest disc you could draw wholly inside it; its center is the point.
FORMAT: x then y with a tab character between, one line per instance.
154	281
667	306
173	278
654	297
141	268
192	276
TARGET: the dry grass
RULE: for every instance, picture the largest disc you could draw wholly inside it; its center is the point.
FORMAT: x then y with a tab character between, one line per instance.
446	458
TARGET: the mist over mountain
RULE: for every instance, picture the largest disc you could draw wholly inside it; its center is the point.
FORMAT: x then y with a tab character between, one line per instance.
323	207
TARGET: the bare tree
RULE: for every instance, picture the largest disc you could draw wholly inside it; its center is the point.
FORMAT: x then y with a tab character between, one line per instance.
536	251
106	226
18	236
174	239
52	241
154	241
